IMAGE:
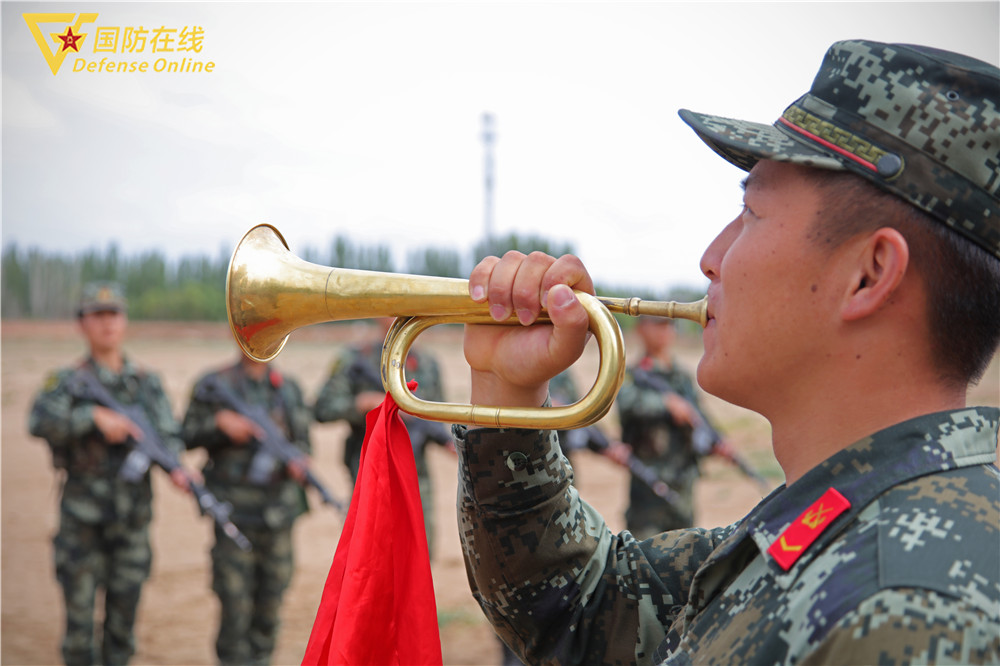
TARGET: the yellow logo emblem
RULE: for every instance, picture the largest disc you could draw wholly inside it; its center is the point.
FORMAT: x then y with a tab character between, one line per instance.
69	39
117	49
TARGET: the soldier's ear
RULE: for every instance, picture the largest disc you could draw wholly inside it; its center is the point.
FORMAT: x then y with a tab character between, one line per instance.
877	269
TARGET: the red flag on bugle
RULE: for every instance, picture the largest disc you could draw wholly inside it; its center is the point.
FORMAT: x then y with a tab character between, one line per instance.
378	602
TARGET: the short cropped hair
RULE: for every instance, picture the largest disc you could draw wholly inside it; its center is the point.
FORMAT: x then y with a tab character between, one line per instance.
962	279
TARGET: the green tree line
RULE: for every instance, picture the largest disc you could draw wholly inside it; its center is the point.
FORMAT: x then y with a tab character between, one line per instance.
41	284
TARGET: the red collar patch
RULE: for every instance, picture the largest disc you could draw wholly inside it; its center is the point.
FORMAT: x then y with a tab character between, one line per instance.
807	527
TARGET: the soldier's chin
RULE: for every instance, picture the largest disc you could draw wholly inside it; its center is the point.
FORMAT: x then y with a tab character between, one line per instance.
711	377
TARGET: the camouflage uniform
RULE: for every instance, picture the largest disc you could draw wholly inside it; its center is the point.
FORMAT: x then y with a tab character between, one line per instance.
663	445
250	585
357	370
907	572
103	537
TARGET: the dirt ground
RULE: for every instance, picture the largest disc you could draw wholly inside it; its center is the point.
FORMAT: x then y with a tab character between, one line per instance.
178	614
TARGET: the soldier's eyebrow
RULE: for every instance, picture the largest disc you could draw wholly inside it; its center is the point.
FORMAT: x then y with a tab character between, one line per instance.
748	181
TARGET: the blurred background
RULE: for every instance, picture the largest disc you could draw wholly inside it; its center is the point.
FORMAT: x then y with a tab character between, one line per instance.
368	132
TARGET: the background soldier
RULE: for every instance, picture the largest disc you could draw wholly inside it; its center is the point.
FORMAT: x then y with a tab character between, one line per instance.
103	537
265	497
658	425
354	388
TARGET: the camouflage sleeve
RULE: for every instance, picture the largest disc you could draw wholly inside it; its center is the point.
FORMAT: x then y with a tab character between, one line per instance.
336	399
58	419
198	428
557	585
907	625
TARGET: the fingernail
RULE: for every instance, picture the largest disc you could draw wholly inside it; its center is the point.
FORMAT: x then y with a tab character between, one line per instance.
562	297
499	312
525	316
478	293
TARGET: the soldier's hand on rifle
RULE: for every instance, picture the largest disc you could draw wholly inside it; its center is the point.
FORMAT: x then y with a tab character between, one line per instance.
182	478
115	427
619	452
725	449
366	401
298	468
238	428
681	411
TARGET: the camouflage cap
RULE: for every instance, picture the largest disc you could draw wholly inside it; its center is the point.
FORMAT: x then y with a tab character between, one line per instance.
101	297
919	122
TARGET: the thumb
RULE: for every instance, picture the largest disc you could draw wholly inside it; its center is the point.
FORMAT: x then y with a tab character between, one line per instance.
570	321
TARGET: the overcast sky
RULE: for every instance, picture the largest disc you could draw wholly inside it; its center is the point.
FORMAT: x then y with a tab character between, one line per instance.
364	120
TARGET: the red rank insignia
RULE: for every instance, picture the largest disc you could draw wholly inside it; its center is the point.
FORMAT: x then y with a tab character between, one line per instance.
807	527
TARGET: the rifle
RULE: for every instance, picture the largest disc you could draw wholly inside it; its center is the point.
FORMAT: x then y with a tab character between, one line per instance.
594	439
704	438
272	448
149	448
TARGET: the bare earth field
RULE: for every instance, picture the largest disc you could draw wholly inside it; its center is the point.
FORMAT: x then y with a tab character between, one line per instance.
178	615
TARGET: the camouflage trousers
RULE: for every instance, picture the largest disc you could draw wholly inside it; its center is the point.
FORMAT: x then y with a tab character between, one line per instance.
109	556
250	587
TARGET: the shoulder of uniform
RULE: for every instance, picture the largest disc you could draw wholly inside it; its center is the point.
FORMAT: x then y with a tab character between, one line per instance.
338	364
140	371
285	382
940	532
223	373
57	377
148	376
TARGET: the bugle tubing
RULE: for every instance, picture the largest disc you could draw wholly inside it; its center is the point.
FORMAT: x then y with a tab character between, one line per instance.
270	292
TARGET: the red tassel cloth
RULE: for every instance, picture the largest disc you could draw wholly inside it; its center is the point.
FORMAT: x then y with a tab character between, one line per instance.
378	603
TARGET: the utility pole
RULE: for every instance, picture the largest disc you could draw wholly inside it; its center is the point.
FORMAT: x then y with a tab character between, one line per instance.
489	138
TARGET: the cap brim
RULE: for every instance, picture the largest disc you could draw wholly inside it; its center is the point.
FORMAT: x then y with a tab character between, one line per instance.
743	143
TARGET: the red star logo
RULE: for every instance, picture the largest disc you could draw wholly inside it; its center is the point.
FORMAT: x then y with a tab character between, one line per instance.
70	40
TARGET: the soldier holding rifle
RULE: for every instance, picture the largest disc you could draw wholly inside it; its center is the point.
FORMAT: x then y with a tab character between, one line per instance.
851	302
659	413
265	492
354	388
106	500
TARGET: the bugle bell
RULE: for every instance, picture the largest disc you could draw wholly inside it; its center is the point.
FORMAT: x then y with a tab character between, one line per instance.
270	292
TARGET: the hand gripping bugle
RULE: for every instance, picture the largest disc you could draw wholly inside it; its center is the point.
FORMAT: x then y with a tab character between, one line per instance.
272	448
148	449
704	437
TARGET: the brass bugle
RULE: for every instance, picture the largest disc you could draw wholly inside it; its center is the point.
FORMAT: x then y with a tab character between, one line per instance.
270	292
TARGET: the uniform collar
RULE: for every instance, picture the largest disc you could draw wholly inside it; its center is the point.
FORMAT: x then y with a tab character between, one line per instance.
653	364
105	374
863	471
240	371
